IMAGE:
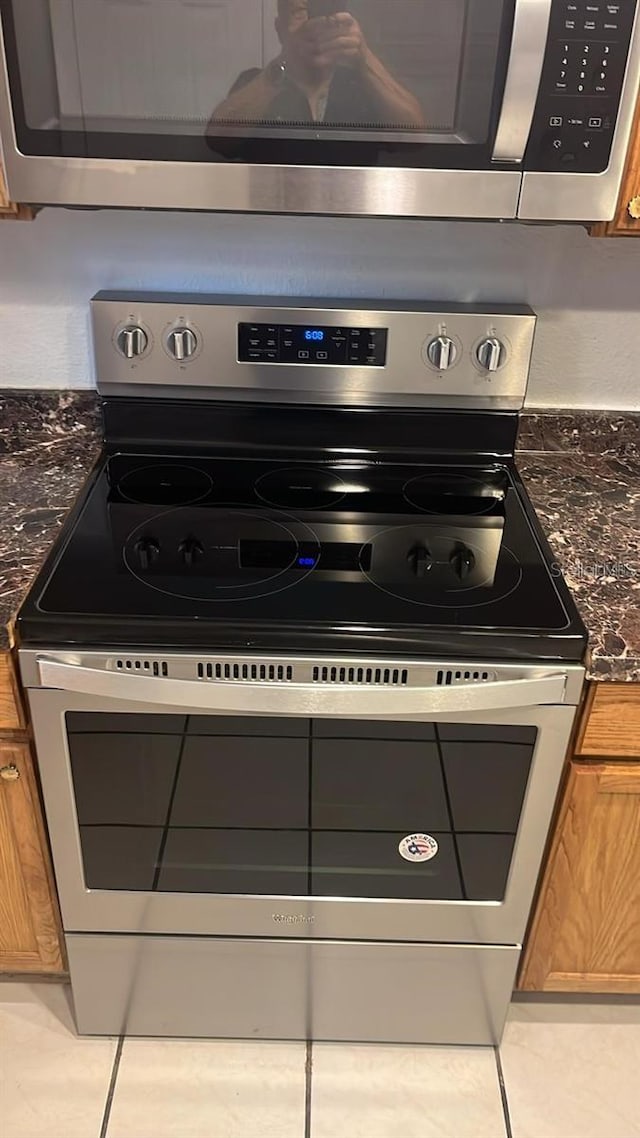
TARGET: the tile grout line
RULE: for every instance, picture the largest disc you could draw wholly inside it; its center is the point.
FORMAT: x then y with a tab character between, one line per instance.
308	1070
503	1093
112	1088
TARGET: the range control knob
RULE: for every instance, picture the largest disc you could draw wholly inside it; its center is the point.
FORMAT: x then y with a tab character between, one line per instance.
132	341
191	551
463	562
442	353
420	560
147	551
490	354
182	344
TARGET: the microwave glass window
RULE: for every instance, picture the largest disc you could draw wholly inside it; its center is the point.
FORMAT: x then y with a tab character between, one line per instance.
298	807
181	73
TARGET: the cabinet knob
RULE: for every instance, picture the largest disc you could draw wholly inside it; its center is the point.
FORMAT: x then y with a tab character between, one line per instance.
634	208
10	773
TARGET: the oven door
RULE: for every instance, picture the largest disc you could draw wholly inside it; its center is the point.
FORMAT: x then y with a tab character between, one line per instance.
416	107
254	809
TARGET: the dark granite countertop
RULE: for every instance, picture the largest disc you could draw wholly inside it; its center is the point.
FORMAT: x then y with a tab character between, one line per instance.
48	444
582	471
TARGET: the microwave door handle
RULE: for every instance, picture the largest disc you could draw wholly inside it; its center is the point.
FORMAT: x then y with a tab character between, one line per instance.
274	698
528	45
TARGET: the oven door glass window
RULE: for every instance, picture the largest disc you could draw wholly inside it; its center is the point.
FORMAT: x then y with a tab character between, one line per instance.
298	807
296	81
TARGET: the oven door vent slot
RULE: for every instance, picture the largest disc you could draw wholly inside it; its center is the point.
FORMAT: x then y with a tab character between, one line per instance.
147	667
249	673
448	677
381	676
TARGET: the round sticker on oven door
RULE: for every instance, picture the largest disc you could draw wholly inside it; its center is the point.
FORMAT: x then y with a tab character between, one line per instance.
418	847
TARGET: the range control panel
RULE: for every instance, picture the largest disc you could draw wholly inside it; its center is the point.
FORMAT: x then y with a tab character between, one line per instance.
582	80
310	344
355	353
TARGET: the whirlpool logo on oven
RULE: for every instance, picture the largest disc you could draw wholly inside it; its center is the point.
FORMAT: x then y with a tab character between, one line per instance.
418	847
292	919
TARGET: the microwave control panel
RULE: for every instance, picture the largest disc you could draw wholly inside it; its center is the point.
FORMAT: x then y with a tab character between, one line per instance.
582	80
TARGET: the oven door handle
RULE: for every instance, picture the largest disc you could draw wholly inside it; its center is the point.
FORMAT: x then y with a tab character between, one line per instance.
273	698
528	45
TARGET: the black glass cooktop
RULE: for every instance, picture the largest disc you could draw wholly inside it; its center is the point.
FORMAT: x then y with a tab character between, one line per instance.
185	549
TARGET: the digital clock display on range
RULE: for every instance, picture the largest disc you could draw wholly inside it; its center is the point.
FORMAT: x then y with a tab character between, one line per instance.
303	344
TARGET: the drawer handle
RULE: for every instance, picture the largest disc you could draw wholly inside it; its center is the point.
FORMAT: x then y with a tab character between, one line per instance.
10	773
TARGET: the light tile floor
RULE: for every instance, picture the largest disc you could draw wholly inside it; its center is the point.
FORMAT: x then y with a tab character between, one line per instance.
564	1070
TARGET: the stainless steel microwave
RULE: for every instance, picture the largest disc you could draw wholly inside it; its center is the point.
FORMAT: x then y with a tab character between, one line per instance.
418	108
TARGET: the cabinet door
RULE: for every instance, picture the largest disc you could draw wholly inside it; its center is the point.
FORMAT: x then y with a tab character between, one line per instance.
626	222
30	938
585	935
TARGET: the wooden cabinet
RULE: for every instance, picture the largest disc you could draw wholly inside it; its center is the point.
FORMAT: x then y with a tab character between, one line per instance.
8	209
30	934
626	222
11	714
585	933
611	725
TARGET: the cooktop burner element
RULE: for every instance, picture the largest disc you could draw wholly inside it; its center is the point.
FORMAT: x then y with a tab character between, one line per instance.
301	488
165	485
454	493
444	568
224	555
296	508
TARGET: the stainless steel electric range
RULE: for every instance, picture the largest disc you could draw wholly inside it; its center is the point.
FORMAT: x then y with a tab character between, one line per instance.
302	674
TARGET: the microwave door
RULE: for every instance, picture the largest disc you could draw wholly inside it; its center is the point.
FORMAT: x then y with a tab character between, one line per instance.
221	105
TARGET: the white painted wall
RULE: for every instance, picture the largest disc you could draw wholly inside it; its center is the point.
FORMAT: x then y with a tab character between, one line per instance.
586	292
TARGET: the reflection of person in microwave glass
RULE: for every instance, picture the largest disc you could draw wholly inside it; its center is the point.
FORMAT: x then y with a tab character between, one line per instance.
325	73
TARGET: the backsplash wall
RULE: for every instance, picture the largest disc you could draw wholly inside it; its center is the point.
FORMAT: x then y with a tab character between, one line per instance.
586	292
